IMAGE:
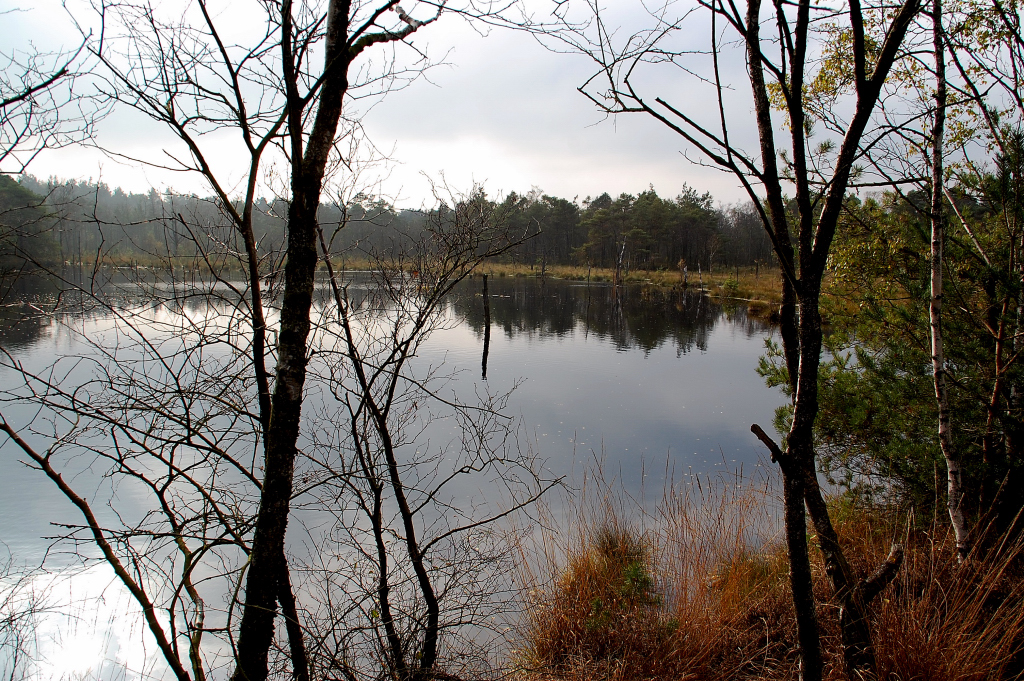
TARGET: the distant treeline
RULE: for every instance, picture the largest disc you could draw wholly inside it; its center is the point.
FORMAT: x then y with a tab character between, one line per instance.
73	221
85	218
640	232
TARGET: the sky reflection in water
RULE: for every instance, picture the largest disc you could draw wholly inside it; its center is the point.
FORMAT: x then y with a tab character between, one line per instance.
644	380
641	380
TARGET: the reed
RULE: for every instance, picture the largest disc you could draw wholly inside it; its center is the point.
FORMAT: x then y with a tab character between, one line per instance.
699	589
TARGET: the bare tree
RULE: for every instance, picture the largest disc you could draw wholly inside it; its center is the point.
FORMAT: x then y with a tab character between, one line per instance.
415	500
781	70
196	402
42	104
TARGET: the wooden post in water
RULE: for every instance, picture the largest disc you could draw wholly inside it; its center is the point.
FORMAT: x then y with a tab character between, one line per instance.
487	329
618	264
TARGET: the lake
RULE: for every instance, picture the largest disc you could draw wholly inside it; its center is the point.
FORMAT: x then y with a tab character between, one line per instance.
638	380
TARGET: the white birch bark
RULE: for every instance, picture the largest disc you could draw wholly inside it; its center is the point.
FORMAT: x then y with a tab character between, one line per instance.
954	473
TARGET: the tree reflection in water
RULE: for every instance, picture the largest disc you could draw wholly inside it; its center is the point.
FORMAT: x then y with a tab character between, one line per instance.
631	317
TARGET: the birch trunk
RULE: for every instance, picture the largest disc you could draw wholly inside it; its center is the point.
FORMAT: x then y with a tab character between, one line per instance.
954	473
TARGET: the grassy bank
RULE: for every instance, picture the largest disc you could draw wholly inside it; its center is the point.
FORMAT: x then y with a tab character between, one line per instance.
700	590
745	283
748	284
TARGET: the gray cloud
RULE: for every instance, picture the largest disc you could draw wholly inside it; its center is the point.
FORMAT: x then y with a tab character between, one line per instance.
503	109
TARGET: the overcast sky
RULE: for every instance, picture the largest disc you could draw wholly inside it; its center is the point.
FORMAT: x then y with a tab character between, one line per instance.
502	111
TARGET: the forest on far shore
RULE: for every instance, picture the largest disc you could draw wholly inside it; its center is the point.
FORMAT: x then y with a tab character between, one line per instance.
73	220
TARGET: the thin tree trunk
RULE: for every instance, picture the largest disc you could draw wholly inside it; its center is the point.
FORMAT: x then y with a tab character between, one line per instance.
800	450
954	472
991	457
289	608
793	478
855	628
267	563
858	648
800	579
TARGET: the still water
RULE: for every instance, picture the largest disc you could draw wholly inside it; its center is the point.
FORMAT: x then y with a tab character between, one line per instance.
640	376
639	381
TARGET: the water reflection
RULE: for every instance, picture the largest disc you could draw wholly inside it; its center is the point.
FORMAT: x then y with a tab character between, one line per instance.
22	321
636	375
641	378
631	373
629	317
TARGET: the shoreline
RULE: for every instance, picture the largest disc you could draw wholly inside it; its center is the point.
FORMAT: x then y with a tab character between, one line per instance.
743	284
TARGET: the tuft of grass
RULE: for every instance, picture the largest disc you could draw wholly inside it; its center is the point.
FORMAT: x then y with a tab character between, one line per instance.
681	595
602	611
952	621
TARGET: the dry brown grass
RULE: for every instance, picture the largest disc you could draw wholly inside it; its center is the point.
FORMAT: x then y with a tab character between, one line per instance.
679	595
944	620
699	590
